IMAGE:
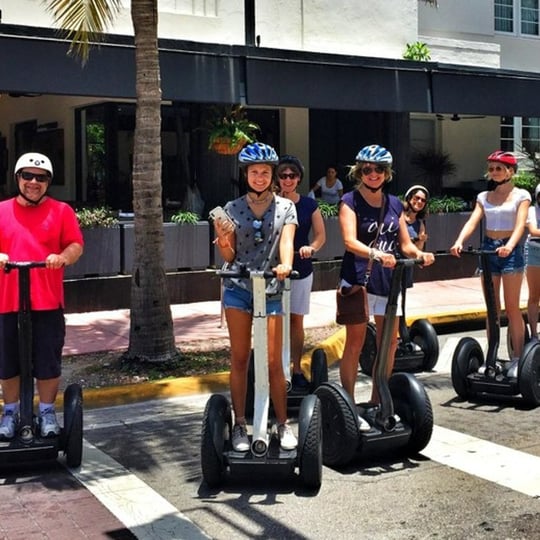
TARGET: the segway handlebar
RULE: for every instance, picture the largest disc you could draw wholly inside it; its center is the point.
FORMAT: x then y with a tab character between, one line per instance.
10	265
244	272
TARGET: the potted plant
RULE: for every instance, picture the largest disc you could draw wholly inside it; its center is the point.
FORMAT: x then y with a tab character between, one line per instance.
101	233
186	240
230	129
433	165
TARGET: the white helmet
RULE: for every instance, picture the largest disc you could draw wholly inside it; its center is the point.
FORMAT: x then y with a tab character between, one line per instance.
33	159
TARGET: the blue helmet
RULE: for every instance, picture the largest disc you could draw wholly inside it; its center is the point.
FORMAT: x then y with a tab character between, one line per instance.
375	154
257	153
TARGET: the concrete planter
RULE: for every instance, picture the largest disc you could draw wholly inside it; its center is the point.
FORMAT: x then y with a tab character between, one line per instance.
333	247
186	246
101	256
443	229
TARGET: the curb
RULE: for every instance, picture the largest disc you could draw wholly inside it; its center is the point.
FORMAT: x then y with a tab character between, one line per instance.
219	382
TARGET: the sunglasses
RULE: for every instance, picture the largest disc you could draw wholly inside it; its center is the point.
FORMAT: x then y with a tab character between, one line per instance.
379	169
25	175
284	176
419	199
497	168
259	236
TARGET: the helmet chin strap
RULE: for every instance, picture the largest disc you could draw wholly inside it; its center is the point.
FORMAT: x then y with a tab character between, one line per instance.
258	193
493	185
30	201
373	190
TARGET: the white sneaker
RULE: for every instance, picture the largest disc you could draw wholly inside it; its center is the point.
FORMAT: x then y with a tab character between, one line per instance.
49	423
363	425
240	441
287	439
7	425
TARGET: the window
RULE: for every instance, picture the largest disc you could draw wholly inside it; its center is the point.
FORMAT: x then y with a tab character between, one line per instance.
504	15
529	17
517	16
520	133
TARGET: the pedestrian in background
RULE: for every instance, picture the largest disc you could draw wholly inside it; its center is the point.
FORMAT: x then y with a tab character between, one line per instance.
504	209
35	227
329	187
290	173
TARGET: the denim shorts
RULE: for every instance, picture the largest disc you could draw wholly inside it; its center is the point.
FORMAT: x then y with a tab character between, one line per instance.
513	264
48	334
238	298
532	253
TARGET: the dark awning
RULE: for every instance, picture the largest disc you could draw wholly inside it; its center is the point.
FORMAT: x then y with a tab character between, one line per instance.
35	60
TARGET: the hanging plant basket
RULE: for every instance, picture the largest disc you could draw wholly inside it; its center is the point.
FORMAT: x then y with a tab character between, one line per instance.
226	146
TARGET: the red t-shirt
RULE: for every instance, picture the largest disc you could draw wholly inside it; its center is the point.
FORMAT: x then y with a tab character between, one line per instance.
31	233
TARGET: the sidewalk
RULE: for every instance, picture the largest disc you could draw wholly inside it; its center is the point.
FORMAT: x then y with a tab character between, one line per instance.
438	301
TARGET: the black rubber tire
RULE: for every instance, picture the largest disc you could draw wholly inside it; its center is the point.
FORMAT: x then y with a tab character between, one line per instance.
423	334
369	350
319	369
310	459
529	374
468	358
339	425
216	432
73	425
412	404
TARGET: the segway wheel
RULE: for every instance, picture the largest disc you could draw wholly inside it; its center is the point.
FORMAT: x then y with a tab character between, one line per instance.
529	374
319	369
423	334
310	452
468	358
413	406
369	350
340	425
216	430
73	425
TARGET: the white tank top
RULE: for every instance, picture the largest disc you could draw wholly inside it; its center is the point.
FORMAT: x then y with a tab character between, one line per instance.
502	217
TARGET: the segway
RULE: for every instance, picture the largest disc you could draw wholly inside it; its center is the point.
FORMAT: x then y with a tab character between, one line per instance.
217	453
418	345
28	445
473	377
318	365
402	422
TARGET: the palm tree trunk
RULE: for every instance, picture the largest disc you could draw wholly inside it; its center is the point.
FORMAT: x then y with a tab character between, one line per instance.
151	332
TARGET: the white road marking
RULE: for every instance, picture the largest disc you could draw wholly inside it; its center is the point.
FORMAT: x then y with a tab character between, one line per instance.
146	513
504	466
444	363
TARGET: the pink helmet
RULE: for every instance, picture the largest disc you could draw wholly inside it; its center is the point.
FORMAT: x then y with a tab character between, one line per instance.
503	157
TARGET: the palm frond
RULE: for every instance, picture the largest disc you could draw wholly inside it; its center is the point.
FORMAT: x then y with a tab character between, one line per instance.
83	21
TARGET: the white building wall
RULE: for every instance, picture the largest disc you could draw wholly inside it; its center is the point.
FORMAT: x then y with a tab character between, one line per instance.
359	27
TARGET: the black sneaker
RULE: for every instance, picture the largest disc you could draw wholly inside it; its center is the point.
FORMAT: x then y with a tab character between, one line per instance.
299	381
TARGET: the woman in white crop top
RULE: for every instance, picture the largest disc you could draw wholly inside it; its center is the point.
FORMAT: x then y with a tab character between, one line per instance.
504	208
532	259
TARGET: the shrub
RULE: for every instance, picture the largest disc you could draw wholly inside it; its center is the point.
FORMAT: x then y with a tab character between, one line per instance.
445	204
101	216
526	180
327	209
185	216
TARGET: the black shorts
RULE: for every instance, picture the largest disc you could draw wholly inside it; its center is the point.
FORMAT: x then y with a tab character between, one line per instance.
48	335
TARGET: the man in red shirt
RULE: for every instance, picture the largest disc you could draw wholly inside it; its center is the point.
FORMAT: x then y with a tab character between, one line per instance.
35	227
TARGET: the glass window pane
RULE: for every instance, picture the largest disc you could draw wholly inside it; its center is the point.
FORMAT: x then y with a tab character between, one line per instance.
504	15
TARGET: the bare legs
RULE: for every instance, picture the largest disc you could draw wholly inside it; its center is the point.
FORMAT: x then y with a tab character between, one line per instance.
297	341
239	323
354	341
533	281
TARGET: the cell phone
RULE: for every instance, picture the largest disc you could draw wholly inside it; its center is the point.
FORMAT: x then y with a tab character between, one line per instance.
220	217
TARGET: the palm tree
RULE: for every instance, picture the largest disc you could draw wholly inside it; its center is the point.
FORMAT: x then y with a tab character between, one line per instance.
151	329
